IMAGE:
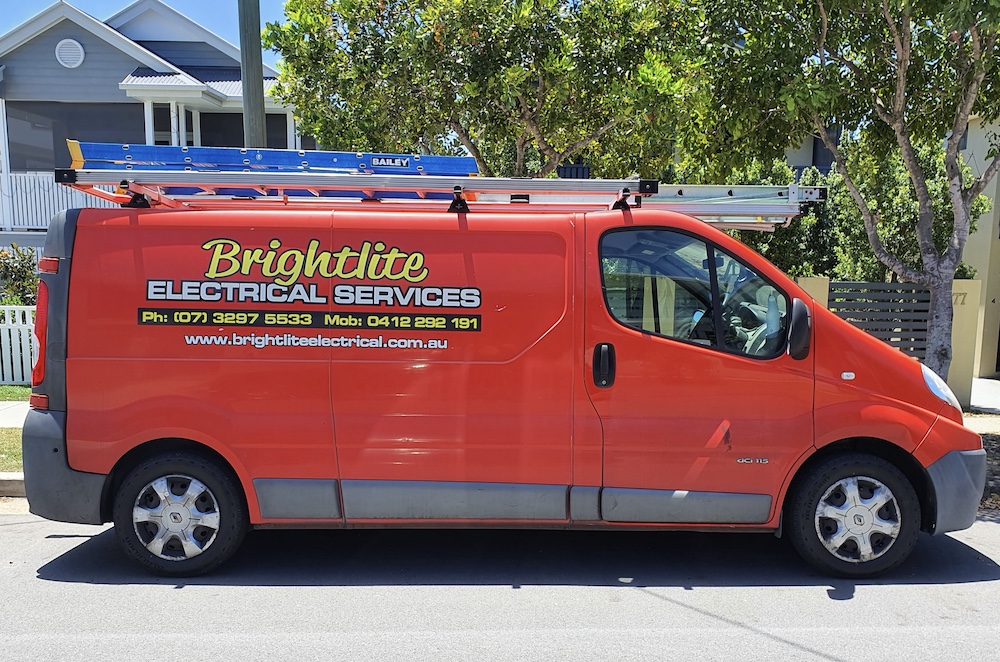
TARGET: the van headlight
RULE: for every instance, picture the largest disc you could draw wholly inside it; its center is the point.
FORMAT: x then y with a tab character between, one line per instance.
939	387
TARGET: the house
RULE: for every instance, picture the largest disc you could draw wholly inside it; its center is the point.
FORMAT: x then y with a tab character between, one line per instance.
145	75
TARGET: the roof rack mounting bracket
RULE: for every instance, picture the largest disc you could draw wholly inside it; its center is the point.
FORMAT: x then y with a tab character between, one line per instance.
138	201
459	205
621	200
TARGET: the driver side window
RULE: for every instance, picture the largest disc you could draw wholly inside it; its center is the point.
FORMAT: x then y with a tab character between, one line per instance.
669	284
659	282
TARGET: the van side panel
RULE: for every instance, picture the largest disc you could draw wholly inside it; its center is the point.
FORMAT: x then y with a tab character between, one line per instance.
149	359
487	400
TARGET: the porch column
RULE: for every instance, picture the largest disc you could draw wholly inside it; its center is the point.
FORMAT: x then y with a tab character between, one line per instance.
290	130
147	108
182	124
196	125
6	181
173	123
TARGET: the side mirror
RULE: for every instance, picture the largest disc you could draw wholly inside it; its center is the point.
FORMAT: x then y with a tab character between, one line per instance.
799	330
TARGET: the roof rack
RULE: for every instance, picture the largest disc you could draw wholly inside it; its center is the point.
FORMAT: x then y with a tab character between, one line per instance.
154	183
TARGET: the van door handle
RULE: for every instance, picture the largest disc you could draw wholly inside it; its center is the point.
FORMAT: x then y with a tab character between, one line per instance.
604	365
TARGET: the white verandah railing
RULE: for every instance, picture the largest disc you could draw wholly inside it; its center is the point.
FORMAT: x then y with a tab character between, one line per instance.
16	351
36	198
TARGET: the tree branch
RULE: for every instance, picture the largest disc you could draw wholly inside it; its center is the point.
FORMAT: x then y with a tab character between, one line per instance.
961	197
983	180
532	126
870	218
824	25
901	44
469	144
520	145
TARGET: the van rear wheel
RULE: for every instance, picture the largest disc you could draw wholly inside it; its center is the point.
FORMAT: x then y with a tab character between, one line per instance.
179	515
854	515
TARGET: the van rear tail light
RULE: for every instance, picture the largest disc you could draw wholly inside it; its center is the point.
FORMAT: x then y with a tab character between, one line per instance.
38	401
40	334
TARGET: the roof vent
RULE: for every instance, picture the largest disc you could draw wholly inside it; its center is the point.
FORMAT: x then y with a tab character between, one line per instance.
69	53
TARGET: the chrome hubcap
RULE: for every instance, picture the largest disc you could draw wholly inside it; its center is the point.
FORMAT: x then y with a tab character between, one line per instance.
857	519
176	517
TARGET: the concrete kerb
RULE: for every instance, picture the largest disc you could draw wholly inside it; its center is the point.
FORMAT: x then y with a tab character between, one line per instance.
11	484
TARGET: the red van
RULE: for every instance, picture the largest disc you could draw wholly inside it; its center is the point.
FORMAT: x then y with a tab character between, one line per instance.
207	370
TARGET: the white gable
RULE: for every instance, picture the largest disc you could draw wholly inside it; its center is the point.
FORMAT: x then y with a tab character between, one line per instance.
151	26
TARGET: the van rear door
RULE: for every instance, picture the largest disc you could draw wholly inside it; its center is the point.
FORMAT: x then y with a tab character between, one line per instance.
703	412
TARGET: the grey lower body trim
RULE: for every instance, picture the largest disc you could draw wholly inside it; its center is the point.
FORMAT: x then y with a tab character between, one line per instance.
54	490
585	504
392	499
680	506
958	479
297	498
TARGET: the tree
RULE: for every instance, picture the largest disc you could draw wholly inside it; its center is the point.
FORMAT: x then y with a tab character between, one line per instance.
905	73
886	181
522	86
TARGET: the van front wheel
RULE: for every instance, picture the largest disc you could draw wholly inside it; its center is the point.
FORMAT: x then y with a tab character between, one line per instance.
854	515
179	515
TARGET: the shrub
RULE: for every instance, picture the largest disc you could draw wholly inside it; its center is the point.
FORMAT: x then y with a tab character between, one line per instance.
18	278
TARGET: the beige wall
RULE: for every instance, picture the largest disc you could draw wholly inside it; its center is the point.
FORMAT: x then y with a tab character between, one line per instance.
982	252
965	329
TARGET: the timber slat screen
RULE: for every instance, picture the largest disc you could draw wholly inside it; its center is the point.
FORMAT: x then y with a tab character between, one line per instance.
894	312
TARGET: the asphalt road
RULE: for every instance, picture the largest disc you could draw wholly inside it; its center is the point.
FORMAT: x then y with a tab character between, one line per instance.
66	593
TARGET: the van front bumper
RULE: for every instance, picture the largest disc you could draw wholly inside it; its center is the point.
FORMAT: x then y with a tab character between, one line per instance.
958	479
54	490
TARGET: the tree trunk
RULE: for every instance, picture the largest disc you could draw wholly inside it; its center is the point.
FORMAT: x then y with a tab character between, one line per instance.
938	357
521	145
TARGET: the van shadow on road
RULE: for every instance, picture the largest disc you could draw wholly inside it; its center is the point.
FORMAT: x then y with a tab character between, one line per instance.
388	557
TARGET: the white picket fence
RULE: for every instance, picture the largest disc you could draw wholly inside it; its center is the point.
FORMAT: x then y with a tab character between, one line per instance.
36	198
16	352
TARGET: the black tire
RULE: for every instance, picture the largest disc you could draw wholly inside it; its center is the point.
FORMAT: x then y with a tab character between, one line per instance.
882	524
199	525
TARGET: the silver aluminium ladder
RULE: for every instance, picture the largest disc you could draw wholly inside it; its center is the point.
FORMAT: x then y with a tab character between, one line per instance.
161	183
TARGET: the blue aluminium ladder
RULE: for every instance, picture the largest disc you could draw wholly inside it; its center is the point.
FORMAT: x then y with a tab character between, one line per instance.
169	158
116	156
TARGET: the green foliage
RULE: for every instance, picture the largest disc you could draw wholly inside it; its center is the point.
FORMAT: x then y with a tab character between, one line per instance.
780	65
885	183
523	86
831	239
803	247
898	76
18	280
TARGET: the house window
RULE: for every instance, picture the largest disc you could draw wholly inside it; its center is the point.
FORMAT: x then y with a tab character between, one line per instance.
38	130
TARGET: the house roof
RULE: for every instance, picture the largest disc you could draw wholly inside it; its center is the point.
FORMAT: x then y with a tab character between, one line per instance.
225	80
214	86
61	11
144	20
